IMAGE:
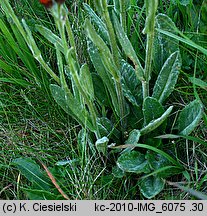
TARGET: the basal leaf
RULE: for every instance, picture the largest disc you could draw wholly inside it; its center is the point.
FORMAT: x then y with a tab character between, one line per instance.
133	137
104	74
151	186
167	77
71	106
86	81
189	117
152	109
50	36
128	48
133	161
164	46
31	170
101	145
157	122
117	172
101	95
101	27
130	84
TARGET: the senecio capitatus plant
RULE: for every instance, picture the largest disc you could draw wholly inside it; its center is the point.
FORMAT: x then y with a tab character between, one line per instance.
116	101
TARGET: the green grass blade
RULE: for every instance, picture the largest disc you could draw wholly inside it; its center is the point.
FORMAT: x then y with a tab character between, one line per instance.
184	39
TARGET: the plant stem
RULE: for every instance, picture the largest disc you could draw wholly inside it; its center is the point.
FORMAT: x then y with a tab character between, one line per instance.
151	8
115	54
47	68
148	63
122	4
111	32
70	61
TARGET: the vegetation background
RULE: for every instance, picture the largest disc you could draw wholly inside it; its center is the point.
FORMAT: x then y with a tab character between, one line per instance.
35	131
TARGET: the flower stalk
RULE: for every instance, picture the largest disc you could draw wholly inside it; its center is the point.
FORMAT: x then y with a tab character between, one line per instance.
151	8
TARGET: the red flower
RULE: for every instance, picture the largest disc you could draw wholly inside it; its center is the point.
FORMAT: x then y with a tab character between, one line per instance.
49	3
46	3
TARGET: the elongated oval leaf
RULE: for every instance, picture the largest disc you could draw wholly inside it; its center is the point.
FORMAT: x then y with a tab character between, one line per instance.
130	84
101	95
189	117
102	30
103	50
133	161
157	122
128	48
71	106
50	36
167	77
152	109
86	81
32	172
105	76
133	137
164	46
151	186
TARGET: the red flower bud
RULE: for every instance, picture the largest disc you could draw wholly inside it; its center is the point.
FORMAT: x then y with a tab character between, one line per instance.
49	3
46	3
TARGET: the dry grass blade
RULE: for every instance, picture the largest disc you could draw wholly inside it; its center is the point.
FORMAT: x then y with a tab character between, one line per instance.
54	181
195	193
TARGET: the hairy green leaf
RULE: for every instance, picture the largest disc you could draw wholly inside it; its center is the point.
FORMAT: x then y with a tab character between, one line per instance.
189	117
133	137
101	95
128	48
157	122
103	50
133	161
101	145
32	172
130	84
71	106
105	76
151	186
164	46
50	36
86	81
167	77
101	27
